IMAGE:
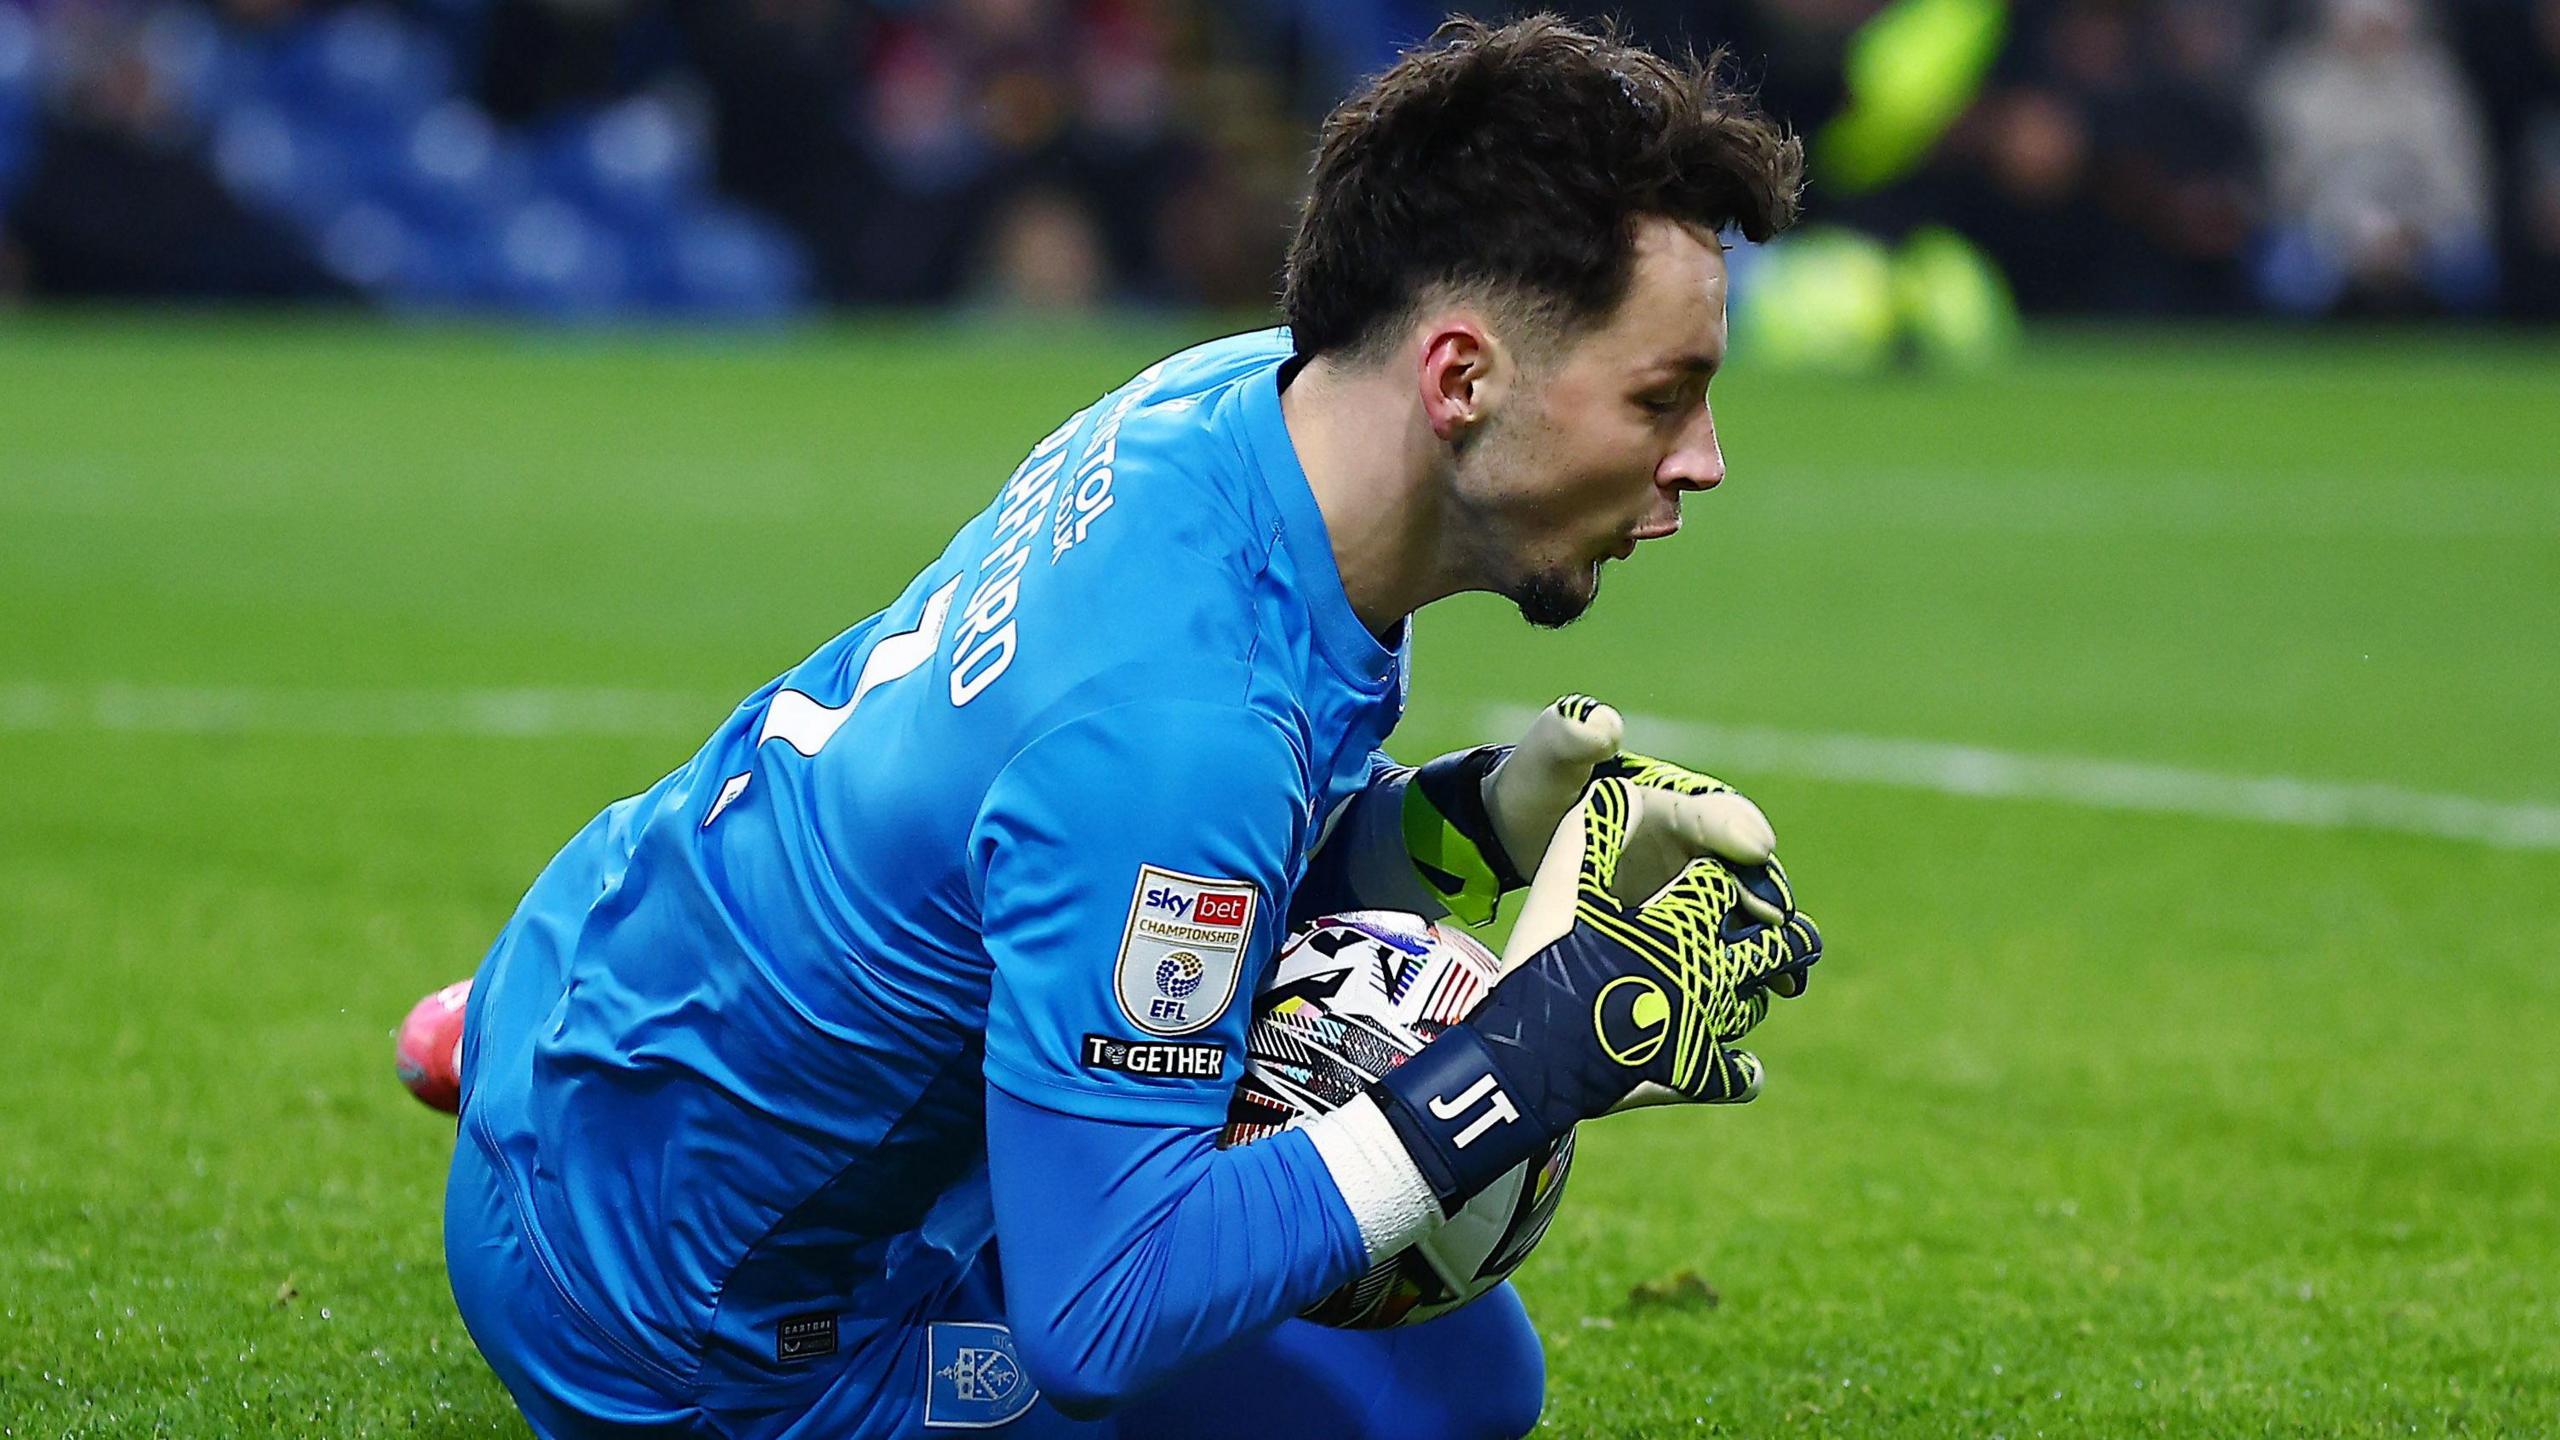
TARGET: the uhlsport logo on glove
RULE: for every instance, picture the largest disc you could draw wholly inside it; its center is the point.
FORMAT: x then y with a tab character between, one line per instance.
1182	952
1631	1016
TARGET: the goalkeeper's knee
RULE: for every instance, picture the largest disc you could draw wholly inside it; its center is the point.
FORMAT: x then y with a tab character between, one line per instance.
1476	1373
1487	1371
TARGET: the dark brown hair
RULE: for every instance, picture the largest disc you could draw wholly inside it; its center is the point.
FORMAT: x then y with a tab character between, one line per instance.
1517	159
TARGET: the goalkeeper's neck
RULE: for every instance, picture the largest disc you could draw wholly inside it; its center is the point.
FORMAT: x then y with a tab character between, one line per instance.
1378	460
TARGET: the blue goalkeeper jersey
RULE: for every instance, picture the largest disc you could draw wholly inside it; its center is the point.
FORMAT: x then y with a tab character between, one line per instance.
1034	825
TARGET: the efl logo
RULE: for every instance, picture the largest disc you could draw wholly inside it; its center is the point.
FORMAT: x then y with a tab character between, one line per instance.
1214	908
1182	953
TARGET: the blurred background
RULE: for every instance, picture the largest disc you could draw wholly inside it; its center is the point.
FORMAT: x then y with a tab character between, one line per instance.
754	159
2134	598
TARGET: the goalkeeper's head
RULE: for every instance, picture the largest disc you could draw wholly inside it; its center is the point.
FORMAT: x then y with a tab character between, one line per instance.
1510	250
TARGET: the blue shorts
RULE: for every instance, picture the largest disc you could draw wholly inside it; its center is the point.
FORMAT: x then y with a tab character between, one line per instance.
1477	1374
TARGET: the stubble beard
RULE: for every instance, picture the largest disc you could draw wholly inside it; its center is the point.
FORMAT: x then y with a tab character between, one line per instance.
1554	597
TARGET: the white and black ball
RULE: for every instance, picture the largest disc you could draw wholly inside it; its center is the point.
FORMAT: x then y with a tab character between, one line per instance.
1349	999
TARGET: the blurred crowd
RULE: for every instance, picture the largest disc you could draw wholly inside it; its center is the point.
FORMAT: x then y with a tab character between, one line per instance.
2304	157
744	157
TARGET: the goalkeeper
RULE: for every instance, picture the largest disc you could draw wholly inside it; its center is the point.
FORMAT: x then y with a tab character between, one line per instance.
863	1076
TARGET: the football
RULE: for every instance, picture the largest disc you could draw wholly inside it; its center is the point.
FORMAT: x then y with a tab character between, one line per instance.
1349	999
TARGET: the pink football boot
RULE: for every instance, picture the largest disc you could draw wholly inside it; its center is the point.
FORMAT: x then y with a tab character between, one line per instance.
429	1050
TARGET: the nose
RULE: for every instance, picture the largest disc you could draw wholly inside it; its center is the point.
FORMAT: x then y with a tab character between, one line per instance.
1697	462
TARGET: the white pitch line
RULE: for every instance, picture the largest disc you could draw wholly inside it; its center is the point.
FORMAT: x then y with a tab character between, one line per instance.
535	713
239	710
2091	783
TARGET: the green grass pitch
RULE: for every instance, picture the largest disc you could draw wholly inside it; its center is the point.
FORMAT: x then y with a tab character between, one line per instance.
2095	1123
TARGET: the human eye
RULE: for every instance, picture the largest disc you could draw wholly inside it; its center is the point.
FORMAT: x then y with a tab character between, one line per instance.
1662	404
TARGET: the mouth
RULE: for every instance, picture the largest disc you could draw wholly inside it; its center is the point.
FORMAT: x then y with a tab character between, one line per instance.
1628	543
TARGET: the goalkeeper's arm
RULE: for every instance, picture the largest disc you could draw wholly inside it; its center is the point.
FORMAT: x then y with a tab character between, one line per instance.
1130	1250
1133	1245
1128	920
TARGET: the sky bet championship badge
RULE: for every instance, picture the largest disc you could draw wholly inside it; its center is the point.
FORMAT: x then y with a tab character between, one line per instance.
973	1379
1183	950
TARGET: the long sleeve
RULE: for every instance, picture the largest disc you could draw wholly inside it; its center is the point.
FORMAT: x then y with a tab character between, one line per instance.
1134	866
1129	1250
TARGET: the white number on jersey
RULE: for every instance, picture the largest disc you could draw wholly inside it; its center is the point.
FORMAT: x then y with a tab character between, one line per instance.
799	721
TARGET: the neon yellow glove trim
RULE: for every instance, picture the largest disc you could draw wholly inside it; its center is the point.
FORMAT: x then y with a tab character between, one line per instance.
1448	862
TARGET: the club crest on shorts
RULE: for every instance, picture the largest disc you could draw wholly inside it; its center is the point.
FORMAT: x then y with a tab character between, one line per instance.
1182	951
973	1380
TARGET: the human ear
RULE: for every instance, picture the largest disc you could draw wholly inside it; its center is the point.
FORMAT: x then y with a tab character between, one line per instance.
1461	370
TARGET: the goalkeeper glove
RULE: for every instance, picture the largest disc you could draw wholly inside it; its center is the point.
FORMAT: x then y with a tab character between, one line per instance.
1623	1003
1470	816
1699	824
